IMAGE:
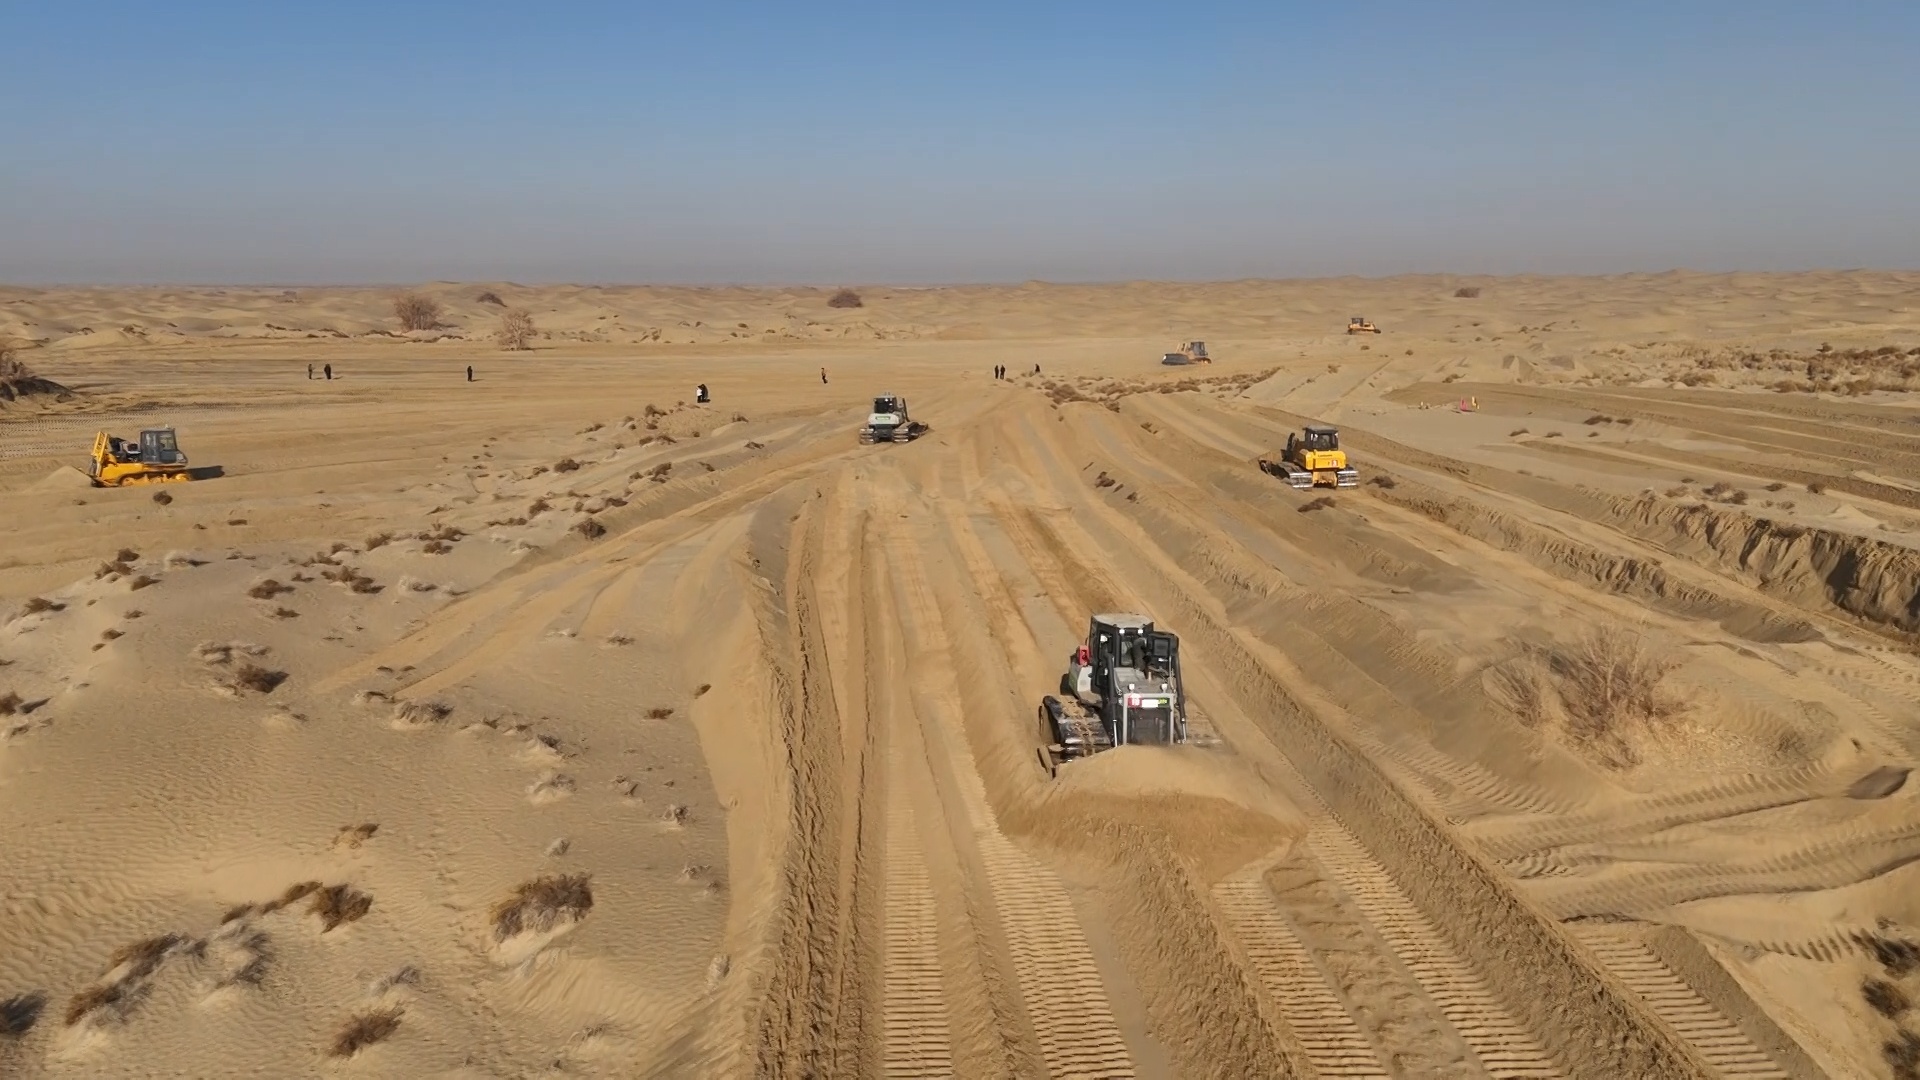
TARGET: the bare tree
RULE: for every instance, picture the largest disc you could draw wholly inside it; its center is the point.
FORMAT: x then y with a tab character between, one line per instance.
416	312
845	298
516	330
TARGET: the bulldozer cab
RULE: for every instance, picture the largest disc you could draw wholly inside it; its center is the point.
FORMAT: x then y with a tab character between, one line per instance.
160	447
889	404
1321	438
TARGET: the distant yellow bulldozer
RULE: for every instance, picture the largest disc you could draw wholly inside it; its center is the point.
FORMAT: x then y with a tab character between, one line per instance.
1191	352
1358	325
154	458
1313	459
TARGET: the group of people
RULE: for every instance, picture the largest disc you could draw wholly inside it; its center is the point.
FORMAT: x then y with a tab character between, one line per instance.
1000	370
329	368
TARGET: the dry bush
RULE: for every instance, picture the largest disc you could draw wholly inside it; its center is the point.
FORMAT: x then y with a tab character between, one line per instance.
659	713
93	1000
126	555
1104	481
590	529
845	298
255	678
1598	418
421	712
516	330
442	531
1738	498
10	703
19	1013
1516	433
17	380
291	895
1609	681
379	540
1677	492
352	836
543	903
416	312
537	507
364	1029
566	465
285	613
703	688
1523	686
142	582
1467	292
268	589
1897	956
1903	1055
491	298
755	445
436	547
339	904
1776	486
162	497
37	604
1383	481
1816	488
1885	998
1719	490
1320	503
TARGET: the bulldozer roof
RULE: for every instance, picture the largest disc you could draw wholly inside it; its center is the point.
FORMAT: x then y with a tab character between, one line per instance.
1322	429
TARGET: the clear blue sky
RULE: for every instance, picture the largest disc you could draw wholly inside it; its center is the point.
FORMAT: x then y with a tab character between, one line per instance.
839	140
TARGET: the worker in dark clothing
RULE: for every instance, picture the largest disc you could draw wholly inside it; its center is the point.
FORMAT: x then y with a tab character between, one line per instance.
700	396
329	370
469	372
309	372
823	376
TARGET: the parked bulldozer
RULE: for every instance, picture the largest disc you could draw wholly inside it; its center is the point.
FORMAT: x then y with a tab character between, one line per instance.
1122	686
1358	325
1190	352
889	422
153	458
1313	458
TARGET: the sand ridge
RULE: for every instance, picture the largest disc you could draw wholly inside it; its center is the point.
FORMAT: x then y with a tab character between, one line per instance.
551	721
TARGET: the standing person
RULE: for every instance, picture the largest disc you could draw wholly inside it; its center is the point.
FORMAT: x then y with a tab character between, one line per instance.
823	376
329	370
309	372
469	372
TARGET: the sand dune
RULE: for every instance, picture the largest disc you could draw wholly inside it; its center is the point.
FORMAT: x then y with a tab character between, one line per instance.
549	722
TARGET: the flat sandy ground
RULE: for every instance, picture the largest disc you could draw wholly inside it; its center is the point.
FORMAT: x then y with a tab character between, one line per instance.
1574	742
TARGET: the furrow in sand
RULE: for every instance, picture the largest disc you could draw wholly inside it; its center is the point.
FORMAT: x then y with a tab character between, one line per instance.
1053	966
1333	1043
1503	1046
916	1035
1718	1039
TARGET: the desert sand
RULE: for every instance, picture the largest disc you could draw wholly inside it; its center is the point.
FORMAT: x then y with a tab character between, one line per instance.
552	723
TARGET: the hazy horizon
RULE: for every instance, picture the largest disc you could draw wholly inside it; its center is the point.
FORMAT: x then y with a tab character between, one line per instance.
755	144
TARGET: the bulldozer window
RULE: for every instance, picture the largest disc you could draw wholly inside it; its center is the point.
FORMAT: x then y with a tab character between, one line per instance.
1322	440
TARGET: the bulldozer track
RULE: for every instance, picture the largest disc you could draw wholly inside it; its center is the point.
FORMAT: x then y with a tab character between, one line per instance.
1719	1040
917	1039
1333	1043
1503	1046
1053	966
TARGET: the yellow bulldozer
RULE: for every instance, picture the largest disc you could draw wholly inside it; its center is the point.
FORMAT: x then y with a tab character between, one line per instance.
1358	325
1313	458
153	458
1190	352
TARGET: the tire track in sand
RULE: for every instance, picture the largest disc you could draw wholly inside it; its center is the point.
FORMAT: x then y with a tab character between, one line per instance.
1718	1039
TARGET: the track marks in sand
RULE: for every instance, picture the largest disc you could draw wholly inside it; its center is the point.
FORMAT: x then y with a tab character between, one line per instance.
1718	1039
1333	1043
1503	1046
1066	1002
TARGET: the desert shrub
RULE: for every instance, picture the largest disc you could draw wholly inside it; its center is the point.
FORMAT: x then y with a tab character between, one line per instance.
364	1029
162	497
1467	292
37	604
516	330
1816	488
590	529
659	713
1885	998
1776	486
338	904
491	298
1320	503
845	298
1738	498
566	465
379	540
1609	681
1383	480
256	678
1516	433
268	589
416	312
541	904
